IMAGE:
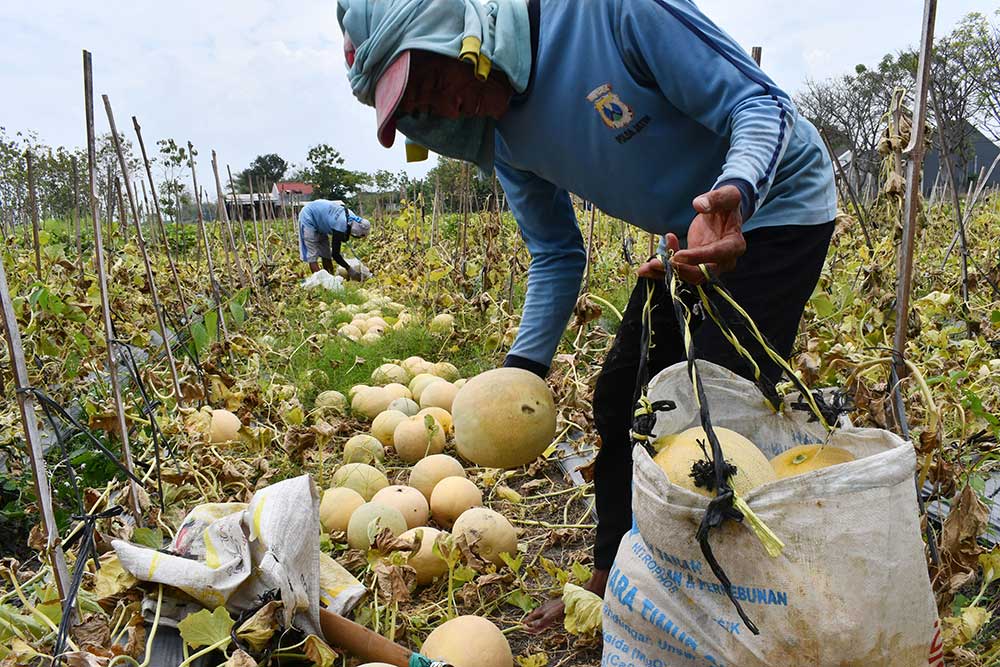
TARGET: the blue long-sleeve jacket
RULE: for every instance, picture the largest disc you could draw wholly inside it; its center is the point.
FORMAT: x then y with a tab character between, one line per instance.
640	106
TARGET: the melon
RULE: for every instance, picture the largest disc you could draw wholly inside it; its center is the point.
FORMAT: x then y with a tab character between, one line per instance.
389	373
225	427
442	416
806	458
445	371
504	418
403	320
417	437
353	391
370	338
427	472
487	533
469	641
405	405
429	565
369	520
331	401
420	382
337	506
438	395
360	323
416	365
385	423
677	454
363	448
397	390
351	332
442	325
410	503
460	382
361	477
451	497
376	324
368	403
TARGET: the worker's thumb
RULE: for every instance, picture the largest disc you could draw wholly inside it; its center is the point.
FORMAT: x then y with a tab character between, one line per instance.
726	198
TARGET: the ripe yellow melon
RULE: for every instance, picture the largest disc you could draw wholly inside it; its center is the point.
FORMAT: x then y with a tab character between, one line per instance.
376	324
417	437
445	370
504	418
396	390
360	323
368	403
410	503
469	641
678	453
438	395
415	366
351	332
370	337
427	472
385	423
487	533
451	497
361	477
460	382
442	416
806	458
369	520
353	391
421	382
389	373
331	401
442	325
363	448
429	566
405	405
337	506
225	427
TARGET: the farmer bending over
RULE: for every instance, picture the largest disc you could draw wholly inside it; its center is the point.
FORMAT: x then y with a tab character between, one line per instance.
647	109
323	226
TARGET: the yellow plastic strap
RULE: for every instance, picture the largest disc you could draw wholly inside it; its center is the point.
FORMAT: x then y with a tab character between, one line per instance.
727	332
470	50
483	68
416	152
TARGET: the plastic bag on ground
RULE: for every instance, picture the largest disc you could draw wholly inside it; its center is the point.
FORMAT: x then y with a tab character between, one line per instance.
358	266
232	553
322	278
851	588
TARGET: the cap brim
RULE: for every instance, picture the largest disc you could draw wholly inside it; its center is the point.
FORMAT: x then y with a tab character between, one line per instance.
388	93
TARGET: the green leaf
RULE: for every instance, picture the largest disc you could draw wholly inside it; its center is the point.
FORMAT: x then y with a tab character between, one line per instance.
238	312
995	317
206	628
533	660
199	334
823	306
463	574
522	600
583	610
148	537
212	324
580	572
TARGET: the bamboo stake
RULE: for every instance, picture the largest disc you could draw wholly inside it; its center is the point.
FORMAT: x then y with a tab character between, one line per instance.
243	227
757	53
33	205
76	216
145	211
26	404
141	241
102	281
208	254
590	247
846	185
122	214
224	215
915	152
159	220
253	214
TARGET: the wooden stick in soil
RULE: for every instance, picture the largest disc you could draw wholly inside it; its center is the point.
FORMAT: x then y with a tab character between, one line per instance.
141	241
912	205
76	216
33	205
102	281
253	214
26	404
846	185
146	215
159	222
208	253
243	227
984	177
227	228
122	213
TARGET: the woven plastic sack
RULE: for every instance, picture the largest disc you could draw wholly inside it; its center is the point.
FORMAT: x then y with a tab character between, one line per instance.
232	553
851	588
324	279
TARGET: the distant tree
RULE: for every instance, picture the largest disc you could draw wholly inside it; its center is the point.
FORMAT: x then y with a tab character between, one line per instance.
266	169
455	179
173	165
976	51
326	173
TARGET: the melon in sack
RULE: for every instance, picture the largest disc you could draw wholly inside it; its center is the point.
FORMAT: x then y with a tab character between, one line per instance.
850	588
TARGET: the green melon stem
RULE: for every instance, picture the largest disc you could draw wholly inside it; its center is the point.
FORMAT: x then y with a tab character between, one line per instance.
772	543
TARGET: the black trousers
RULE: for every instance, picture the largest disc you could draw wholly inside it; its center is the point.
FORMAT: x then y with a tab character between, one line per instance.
772	282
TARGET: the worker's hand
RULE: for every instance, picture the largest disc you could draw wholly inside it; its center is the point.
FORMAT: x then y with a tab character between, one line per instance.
715	237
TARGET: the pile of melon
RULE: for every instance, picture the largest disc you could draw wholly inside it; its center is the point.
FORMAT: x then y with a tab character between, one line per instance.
681	456
371	319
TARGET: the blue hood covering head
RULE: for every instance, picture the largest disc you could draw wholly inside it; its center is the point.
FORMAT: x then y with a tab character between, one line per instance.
491	34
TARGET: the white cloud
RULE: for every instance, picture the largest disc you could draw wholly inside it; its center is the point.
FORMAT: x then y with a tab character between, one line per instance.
252	76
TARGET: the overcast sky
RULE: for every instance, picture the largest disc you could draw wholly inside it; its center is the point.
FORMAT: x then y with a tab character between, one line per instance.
249	76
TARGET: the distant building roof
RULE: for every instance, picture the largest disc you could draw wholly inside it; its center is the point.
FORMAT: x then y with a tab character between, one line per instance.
294	187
